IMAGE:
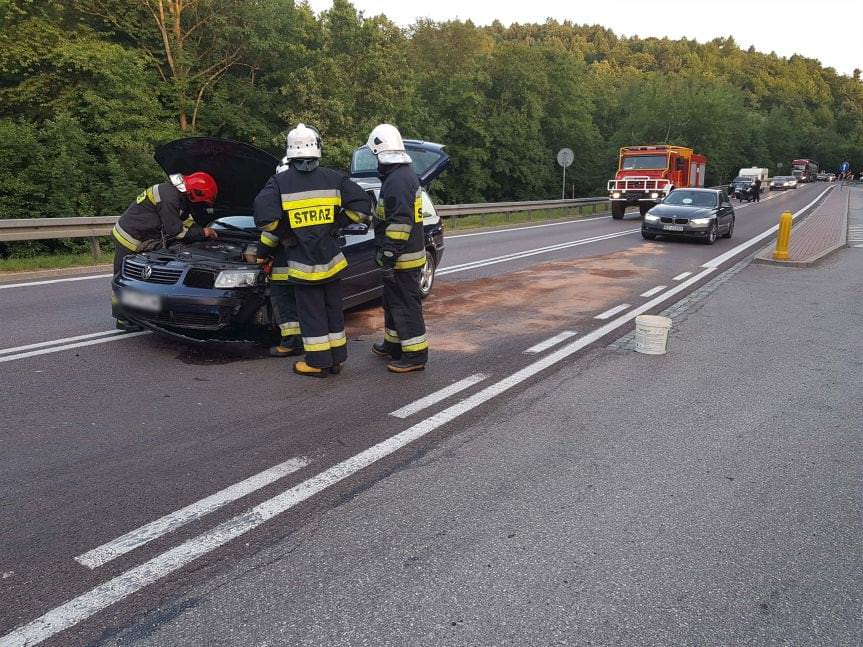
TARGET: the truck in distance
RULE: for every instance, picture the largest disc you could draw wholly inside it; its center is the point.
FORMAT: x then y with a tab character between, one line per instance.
646	174
804	170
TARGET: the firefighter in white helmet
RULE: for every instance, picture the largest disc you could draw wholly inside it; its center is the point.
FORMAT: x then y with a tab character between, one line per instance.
401	252
300	211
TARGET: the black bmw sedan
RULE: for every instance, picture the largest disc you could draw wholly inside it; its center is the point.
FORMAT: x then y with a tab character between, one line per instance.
704	214
213	289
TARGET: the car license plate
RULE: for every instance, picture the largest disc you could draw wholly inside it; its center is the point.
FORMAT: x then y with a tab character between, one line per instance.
672	227
141	300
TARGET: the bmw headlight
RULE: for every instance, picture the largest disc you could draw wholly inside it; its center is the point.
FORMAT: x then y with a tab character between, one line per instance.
236	279
700	222
650	218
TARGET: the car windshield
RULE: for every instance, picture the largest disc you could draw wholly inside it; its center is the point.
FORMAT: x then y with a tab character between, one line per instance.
644	161
691	198
364	163
233	223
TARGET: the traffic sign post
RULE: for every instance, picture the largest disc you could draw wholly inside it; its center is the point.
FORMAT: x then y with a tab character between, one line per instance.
565	157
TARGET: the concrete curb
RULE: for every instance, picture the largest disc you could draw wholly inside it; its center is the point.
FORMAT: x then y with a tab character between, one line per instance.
9	277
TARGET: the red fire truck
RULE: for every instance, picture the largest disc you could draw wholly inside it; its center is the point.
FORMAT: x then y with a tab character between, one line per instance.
804	170
646	174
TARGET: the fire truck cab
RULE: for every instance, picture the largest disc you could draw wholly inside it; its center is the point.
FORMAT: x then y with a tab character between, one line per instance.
646	174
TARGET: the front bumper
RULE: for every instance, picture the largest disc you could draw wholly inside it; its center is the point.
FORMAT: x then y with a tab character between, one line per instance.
689	231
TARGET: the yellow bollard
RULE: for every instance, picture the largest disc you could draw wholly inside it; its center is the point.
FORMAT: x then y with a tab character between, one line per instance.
783	239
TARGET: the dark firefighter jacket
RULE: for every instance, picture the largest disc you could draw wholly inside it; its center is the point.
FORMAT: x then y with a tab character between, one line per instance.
160	214
304	211
399	218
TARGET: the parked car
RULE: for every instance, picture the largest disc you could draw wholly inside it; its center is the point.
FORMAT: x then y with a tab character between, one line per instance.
212	289
704	214
783	182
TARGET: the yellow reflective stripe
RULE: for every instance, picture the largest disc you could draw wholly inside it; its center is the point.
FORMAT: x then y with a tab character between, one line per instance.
153	194
411	348
311	202
310	272
125	239
312	344
356	216
397	227
188	222
289	328
338	339
272	226
410	260
397	235
269	239
391	336
418	207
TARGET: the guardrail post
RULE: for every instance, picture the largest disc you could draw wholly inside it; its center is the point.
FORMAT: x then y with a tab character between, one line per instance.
783	240
482	220
94	247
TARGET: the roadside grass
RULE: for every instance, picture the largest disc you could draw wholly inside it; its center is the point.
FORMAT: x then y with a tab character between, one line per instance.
488	220
53	261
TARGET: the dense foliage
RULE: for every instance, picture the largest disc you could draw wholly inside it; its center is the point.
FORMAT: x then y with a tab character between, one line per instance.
88	86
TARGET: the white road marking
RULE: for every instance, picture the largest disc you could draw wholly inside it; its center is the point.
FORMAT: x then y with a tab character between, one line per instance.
6	286
170	522
681	276
652	291
551	341
437	396
734	251
858	245
133	580
42	344
463	267
512	229
57	349
608	314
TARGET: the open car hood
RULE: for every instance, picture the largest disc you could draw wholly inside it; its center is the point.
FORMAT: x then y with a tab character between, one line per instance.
429	161
239	169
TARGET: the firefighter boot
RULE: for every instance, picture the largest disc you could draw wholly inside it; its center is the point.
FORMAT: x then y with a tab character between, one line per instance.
381	349
301	368
404	366
335	369
285	351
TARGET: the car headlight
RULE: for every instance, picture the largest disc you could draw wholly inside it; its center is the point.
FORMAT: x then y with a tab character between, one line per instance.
615	195
236	278
654	195
700	222
650	218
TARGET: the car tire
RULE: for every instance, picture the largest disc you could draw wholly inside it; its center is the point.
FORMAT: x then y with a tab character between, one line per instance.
647	236
713	234
427	274
730	231
617	210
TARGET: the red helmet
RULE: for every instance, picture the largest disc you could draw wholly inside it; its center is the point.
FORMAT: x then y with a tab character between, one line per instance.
201	187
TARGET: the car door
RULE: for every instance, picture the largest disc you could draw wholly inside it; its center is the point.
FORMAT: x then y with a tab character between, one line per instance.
725	213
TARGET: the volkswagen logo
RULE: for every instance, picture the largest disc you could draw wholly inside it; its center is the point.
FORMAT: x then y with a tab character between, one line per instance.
146	272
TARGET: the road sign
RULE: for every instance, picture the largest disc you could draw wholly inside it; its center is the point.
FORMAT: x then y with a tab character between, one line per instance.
564	158
842	169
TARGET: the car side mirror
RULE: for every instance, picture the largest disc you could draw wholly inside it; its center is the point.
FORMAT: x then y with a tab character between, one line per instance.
356	229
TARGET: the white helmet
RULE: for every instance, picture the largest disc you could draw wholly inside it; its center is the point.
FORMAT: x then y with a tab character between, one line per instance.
284	165
303	142
385	141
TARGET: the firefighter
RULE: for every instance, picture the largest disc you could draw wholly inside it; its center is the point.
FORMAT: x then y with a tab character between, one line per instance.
300	211
756	188
164	213
401	253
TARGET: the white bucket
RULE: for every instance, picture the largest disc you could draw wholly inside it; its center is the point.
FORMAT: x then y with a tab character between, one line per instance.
651	334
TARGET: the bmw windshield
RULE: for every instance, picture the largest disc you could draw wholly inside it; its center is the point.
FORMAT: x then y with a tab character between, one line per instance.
686	198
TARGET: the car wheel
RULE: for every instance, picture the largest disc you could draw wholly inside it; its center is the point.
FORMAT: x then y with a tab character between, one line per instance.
427	274
647	236
617	210
730	229
713	234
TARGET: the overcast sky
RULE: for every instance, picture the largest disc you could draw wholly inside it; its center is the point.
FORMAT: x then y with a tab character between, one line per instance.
829	30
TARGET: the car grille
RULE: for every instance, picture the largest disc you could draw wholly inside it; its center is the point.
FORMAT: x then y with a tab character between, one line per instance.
135	270
200	279
182	318
676	221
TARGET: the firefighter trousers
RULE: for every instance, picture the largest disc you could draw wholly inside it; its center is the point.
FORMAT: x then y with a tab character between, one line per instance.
284	301
322	322
405	329
120	253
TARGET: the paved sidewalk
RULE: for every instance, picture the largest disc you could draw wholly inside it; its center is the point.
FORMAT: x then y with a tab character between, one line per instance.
711	496
821	233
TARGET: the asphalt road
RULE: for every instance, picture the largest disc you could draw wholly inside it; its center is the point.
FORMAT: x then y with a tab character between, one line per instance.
99	440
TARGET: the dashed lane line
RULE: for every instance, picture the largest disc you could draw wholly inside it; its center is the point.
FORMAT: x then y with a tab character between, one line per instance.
551	341
122	586
608	314
170	522
437	396
681	276
652	291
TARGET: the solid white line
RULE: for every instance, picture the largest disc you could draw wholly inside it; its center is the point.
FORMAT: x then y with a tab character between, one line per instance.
858	245
463	267
681	276
133	580
42	344
512	229
652	291
734	251
57	349
6	286
608	314
551	341
170	522
437	396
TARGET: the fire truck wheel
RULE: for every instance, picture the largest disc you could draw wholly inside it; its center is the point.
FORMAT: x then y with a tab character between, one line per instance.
617	210
643	208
